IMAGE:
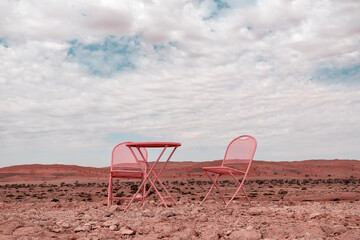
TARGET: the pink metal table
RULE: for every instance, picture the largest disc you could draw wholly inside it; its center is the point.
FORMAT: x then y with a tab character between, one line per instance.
135	146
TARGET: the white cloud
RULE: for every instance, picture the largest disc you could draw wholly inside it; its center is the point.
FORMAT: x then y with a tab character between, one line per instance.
249	69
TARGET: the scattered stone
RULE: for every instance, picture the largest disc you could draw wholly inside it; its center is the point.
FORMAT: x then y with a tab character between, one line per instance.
333	229
109	214
126	231
148	213
312	236
170	214
145	229
338	229
10	227
55	229
87	217
26	231
114	208
65	225
245	234
314	215
255	211
203	218
82	228
351	234
113	228
188	233
109	223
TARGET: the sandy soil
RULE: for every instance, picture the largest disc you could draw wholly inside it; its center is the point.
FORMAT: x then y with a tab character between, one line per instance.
281	209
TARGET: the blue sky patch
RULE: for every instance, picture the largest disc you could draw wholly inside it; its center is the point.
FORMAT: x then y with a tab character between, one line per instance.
174	44
220	6
3	42
347	75
105	58
161	46
158	47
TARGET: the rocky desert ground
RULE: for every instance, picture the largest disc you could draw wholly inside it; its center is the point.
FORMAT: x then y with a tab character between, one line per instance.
69	202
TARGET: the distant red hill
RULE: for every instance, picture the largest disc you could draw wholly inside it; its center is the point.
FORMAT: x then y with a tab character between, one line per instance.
260	169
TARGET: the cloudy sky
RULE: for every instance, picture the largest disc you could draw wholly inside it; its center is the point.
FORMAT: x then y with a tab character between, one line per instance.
78	76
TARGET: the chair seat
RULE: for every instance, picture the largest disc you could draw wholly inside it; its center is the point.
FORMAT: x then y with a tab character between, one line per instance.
223	170
126	174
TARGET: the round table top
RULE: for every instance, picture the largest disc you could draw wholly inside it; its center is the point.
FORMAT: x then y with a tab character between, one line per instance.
153	144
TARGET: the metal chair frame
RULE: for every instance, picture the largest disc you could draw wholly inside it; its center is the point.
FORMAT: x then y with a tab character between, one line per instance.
225	170
137	172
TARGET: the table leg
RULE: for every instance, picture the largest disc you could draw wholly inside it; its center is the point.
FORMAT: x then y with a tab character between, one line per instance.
153	183
158	175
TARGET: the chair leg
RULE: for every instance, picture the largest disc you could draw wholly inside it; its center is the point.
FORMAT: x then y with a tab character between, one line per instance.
141	185
134	196
143	194
217	188
110	192
162	185
212	187
237	191
157	191
246	196
167	192
143	191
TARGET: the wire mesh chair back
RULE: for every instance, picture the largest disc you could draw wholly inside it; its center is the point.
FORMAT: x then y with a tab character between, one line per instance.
122	158
241	150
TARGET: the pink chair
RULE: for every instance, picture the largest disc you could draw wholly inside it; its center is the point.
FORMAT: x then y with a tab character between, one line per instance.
124	165
240	151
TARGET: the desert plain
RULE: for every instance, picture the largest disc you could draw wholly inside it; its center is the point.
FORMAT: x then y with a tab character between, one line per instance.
314	199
